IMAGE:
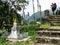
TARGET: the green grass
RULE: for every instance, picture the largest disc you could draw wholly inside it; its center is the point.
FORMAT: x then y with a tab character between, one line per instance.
18	43
46	25
31	32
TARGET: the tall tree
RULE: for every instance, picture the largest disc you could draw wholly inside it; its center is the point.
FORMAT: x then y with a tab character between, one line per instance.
8	11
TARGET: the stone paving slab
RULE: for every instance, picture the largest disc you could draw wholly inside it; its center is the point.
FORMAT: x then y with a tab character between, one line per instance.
43	44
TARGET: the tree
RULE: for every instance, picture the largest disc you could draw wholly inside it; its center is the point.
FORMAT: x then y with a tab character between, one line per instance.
8	11
4	13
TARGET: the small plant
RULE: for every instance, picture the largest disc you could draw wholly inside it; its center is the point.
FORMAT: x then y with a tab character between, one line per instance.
45	25
18	43
2	39
34	38
55	44
27	42
28	28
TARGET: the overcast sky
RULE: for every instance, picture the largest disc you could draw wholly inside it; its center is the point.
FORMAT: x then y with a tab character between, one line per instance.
45	4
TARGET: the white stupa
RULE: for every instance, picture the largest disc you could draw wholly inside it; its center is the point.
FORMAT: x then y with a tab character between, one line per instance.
14	32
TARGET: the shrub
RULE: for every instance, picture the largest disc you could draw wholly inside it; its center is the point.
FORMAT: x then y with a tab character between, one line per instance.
27	42
4	43
18	43
2	39
45	25
31	29
28	28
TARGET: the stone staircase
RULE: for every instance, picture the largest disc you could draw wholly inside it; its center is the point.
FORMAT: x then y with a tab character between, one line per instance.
54	20
49	36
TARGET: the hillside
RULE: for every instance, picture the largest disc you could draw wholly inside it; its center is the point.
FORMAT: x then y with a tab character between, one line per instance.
37	16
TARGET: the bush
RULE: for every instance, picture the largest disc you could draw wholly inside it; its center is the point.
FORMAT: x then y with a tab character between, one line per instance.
31	29
4	43
28	28
27	42
32	32
18	43
2	39
45	25
32	23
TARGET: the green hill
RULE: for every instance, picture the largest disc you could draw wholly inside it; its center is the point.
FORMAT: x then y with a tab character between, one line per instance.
37	16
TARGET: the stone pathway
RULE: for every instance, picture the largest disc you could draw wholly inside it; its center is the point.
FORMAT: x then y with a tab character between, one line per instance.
43	44
14	40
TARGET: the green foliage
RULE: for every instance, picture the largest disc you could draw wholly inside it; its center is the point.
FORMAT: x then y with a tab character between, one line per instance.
22	43
33	23
2	39
28	28
33	38
45	25
31	32
22	1
31	29
55	44
5	43
27	42
18	7
18	43
7	14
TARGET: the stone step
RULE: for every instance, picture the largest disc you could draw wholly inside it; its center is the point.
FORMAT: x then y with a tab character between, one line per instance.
46	37
49	34
48	40
52	34
56	24
44	44
48	31
55	15
54	19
